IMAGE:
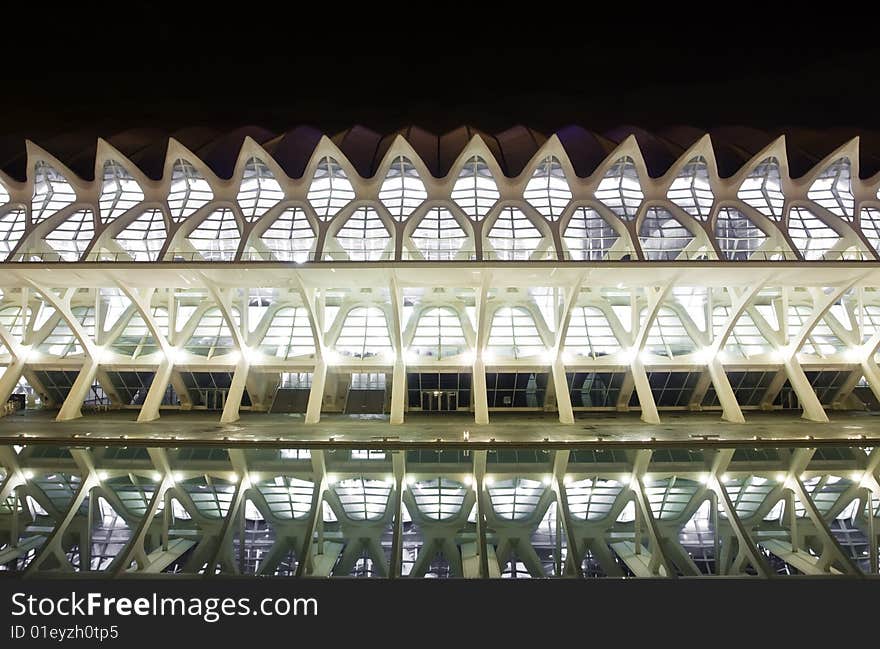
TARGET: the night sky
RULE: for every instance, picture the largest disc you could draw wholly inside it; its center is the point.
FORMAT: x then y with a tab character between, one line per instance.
152	67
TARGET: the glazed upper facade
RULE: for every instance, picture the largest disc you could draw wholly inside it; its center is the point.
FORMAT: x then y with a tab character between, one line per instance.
403	212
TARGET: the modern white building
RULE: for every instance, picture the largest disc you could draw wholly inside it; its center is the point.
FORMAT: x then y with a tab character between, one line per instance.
486	276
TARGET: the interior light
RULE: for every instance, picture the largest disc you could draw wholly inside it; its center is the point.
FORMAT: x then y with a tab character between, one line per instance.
489	481
411	356
856	477
548	356
780	478
628	355
410	480
102	475
704	478
331	478
705	355
546	480
331	357
156	476
468	480
28	475
853	354
488	356
645	356
234	357
469	357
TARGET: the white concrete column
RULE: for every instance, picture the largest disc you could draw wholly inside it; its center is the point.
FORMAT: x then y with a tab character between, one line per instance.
398	391
730	410
10	378
643	389
563	398
316	394
813	410
150	409
72	406
478	387
236	392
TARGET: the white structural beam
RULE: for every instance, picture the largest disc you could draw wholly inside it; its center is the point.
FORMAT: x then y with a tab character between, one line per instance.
655	298
478	380
660	563
398	376
560	381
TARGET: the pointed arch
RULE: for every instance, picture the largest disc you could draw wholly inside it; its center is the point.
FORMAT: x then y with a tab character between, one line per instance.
548	190
330	189
475	190
189	191
402	190
120	192
620	189
259	190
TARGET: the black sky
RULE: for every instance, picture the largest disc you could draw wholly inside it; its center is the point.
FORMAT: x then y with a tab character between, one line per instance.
142	65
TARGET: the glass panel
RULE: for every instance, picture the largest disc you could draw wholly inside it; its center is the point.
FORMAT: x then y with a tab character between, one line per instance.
513	334
691	190
588	236
290	237
620	189
547	190
833	189
71	238
402	190
189	191
475	191
762	189
52	192
119	192
663	237
737	236
259	191
439	236
514	236
217	237
810	235
364	237
144	237
330	190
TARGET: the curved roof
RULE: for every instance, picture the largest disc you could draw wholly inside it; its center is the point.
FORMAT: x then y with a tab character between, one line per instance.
512	148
